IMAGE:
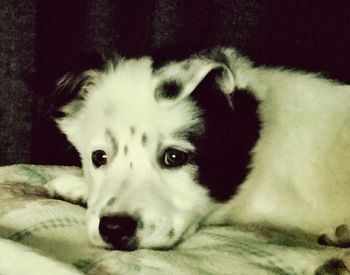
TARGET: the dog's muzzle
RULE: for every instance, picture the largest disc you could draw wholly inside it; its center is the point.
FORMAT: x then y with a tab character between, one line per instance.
119	231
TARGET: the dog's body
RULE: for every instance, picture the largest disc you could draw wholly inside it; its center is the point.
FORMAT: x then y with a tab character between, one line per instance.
300	173
158	161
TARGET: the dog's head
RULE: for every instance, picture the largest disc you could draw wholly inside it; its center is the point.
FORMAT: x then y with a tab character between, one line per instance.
154	144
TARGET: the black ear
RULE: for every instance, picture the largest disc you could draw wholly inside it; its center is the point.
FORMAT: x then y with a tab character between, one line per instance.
50	95
69	86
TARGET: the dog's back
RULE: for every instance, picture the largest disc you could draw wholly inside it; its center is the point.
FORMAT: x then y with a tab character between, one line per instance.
301	163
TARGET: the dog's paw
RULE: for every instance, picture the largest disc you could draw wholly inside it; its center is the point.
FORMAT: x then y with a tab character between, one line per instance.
69	188
340	238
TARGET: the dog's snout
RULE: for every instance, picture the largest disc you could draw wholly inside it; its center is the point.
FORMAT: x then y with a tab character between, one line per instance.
119	231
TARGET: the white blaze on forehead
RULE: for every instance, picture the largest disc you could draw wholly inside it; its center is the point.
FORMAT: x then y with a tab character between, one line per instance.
124	95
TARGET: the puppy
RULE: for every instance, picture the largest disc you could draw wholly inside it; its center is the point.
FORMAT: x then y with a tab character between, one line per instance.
206	140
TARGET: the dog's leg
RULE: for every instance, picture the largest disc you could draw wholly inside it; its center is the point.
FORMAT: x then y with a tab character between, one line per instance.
68	187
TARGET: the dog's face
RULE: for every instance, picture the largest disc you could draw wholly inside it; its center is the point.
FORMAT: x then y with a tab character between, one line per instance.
142	134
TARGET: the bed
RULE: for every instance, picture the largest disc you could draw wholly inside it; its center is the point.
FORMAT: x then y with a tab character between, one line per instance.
51	233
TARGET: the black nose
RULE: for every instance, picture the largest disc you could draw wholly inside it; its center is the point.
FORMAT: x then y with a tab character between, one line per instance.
119	231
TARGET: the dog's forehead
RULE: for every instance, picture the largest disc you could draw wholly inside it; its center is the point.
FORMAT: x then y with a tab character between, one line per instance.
137	80
133	94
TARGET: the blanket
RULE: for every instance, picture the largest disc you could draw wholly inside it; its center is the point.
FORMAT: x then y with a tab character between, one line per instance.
48	236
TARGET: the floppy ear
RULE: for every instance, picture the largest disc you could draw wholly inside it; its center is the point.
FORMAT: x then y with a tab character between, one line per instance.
71	86
190	73
70	92
72	89
198	69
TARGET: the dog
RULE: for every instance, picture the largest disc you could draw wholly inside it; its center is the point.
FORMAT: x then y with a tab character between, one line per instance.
209	139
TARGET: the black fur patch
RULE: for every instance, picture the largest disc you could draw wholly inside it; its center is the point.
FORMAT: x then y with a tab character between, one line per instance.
144	139
223	151
169	89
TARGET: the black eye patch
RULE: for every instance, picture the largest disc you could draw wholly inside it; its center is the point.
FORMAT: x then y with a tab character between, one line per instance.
169	89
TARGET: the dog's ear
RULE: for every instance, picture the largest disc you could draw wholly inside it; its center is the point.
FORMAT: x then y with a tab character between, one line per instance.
71	87
199	69
71	90
180	79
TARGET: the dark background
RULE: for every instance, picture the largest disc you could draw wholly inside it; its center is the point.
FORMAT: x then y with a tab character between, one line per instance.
40	37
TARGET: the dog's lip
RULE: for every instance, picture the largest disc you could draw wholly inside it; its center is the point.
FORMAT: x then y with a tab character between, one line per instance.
166	247
126	244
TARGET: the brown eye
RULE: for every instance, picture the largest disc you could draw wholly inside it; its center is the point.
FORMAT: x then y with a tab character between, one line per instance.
99	158
174	158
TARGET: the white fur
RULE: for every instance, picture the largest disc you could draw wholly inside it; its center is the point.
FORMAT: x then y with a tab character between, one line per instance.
120	99
300	173
301	164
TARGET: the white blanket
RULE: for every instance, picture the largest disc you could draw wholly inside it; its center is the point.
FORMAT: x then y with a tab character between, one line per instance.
48	236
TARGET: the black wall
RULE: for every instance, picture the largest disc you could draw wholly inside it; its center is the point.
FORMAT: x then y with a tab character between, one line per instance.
41	38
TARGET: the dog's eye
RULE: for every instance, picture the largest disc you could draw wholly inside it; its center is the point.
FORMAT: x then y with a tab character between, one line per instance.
174	158
99	158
